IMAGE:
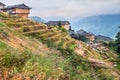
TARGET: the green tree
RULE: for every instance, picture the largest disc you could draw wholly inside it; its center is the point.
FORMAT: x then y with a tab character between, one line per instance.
118	37
118	41
59	24
115	45
82	38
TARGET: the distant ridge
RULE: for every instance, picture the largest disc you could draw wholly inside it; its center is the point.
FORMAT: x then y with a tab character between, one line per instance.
103	38
101	24
37	19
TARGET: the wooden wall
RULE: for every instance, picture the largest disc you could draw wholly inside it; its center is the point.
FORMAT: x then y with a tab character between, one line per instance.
66	26
18	10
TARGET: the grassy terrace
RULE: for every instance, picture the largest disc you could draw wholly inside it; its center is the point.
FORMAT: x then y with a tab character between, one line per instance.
22	55
31	28
53	37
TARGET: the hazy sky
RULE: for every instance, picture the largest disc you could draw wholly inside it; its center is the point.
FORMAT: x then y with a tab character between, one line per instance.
69	8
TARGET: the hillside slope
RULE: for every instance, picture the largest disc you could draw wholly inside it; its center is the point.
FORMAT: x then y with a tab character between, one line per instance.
29	50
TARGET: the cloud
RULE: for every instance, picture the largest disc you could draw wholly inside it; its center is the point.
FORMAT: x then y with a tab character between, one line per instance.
70	8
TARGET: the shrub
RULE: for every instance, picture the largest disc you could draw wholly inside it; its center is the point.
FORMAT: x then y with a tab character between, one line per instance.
118	66
72	47
3	33
1	30
26	29
50	43
112	44
118	48
63	30
2	45
17	60
105	77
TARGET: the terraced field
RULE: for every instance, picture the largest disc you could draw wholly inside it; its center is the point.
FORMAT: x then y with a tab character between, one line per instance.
95	62
31	28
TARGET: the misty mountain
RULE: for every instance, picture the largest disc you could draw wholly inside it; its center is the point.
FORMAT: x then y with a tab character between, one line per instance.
102	38
37	19
99	25
54	18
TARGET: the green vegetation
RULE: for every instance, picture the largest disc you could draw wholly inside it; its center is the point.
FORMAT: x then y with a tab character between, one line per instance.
26	29
82	38
2	24
59	24
63	29
51	66
24	62
2	32
117	48
30	50
118	42
115	45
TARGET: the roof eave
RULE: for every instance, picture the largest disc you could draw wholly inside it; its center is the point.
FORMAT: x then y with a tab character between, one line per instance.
15	7
3	4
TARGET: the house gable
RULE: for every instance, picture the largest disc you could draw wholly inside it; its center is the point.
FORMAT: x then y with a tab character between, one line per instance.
1	4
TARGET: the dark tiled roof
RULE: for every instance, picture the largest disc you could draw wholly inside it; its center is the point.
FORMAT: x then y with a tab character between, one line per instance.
57	22
23	6
2	3
82	32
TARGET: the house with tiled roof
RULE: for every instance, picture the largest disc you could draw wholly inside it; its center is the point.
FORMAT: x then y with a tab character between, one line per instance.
21	10
88	35
1	6
65	24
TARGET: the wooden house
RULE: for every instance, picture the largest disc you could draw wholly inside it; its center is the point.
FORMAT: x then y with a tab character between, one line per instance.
1	6
64	24
21	10
89	36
